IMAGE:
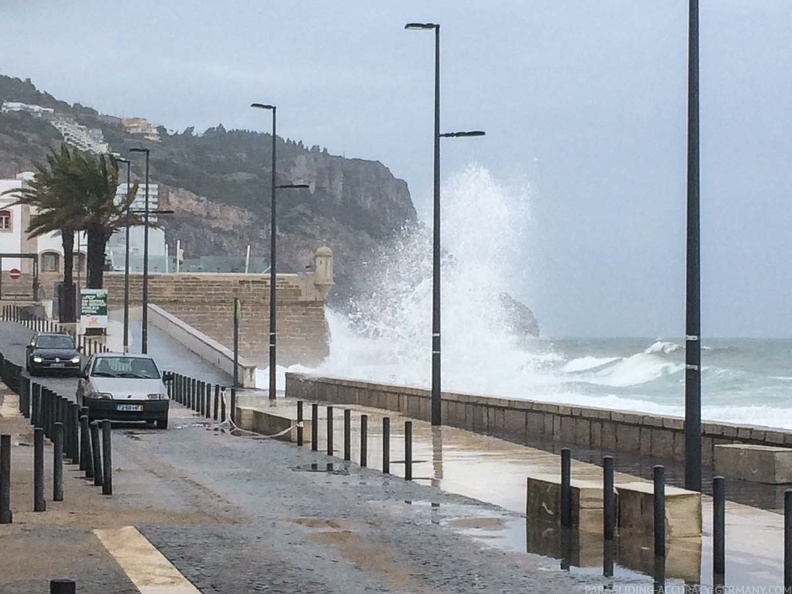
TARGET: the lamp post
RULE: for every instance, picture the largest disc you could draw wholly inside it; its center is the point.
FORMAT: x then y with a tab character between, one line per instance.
693	264
144	332
436	342
126	259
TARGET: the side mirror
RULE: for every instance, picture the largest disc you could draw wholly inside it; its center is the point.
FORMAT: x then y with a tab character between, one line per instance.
167	376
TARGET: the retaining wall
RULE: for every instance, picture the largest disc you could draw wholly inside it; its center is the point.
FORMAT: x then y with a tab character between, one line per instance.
527	421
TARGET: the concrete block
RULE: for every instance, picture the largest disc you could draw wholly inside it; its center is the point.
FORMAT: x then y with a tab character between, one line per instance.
679	446
582	432
567	429
674	423
535	425
645	441
755	463
774	438
707	445
636	510
557	427
595	442
609	436
663	444
513	423
543	501
628	438
272	423
729	430
548	425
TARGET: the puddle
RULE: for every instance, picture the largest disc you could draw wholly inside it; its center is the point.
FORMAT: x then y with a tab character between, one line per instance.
329	468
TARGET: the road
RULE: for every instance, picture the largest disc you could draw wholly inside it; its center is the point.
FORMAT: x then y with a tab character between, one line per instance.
236	515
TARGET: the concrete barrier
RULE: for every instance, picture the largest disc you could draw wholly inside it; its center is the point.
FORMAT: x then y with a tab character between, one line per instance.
533	422
274	423
755	463
636	505
202	345
543	500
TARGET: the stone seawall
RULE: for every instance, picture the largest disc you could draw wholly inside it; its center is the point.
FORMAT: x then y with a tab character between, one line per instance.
527	421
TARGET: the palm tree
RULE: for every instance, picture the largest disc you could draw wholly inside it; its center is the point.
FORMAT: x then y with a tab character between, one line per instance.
95	182
53	209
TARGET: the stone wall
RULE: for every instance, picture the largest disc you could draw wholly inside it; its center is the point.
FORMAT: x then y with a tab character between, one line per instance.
205	302
526	421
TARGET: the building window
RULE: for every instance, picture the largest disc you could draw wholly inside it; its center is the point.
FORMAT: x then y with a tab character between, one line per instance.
5	220
50	262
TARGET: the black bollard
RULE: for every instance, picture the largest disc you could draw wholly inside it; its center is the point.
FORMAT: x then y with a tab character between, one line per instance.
202	398
87	453
608	499
35	404
216	401
223	406
386	445
608	558
300	421
5	479
107	459
659	511
57	462
315	427
363	440
329	430
408	450
566	487
208	398
788	541
74	448
347	434
63	587
96	452
38	471
719	529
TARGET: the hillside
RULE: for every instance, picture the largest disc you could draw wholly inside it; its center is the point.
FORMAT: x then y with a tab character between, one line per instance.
218	184
222	177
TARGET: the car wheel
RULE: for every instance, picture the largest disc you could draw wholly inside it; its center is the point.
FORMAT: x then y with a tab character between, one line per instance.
162	424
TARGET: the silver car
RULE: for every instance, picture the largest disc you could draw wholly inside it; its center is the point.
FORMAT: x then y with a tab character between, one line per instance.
124	388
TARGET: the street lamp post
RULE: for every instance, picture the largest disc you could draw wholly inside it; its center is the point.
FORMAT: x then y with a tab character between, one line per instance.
126	259
144	332
436	342
693	263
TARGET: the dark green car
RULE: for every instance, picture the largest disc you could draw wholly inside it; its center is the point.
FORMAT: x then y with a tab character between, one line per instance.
53	352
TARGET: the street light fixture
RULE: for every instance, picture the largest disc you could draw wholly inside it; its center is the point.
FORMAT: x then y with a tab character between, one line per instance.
436	342
693	265
126	259
144	332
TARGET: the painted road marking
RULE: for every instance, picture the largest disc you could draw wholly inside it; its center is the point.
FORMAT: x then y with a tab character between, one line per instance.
145	566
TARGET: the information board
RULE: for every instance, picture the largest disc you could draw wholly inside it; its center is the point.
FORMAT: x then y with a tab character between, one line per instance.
93	308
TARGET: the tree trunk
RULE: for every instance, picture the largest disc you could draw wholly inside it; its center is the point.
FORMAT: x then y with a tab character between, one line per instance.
68	296
97	243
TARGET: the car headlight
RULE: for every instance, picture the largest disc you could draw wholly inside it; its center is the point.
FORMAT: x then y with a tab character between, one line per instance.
75	359
38	360
102	395
157	396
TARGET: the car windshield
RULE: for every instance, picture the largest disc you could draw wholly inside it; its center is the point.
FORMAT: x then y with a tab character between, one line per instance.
127	367
54	341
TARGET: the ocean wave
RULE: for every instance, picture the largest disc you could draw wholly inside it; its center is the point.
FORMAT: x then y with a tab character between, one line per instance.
636	370
663	346
587	364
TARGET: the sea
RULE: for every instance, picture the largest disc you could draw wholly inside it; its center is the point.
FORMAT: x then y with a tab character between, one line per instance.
384	334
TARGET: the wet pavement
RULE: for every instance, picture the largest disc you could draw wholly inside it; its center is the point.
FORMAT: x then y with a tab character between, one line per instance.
494	471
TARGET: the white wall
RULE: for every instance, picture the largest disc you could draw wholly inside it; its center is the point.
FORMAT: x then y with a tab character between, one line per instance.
11	241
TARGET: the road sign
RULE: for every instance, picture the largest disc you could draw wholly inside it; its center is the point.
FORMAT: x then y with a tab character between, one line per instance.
93	308
14	273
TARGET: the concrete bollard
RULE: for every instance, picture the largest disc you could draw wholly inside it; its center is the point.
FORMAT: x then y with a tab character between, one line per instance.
57	462
330	431
347	434
5	479
608	499
107	459
386	445
315	427
408	429
300	420
38	471
719	529
659	511
96	453
63	587
363	440
566	488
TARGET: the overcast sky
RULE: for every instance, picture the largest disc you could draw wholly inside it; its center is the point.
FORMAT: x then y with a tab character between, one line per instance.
584	102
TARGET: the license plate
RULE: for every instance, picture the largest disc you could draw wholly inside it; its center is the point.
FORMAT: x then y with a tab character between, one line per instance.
58	365
129	407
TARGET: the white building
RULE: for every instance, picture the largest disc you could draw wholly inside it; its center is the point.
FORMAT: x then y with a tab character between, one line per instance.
116	247
36	110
